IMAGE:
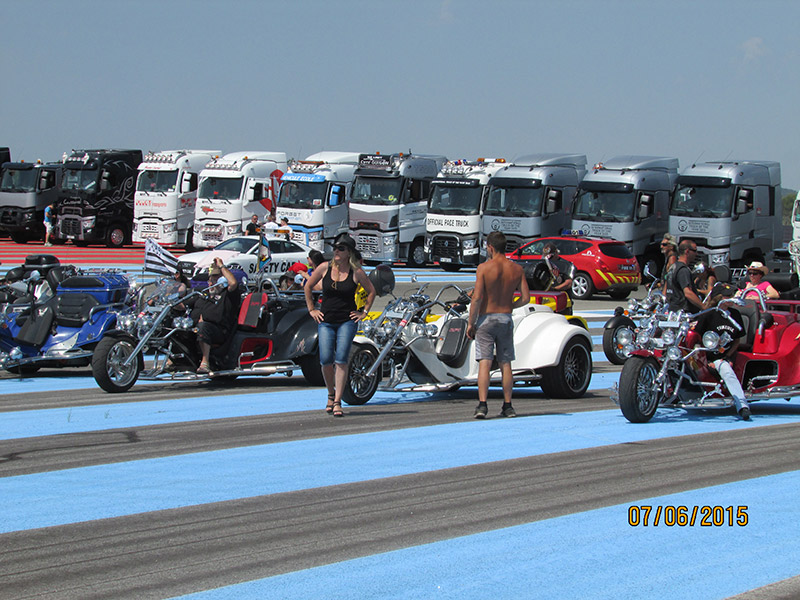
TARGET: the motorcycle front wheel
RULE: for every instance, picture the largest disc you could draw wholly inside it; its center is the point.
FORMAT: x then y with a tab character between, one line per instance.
107	364
361	388
638	394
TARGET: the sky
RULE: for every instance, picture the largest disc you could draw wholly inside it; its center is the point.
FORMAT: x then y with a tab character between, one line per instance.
698	81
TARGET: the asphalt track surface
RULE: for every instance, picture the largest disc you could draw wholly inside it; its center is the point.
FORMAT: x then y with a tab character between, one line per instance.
250	490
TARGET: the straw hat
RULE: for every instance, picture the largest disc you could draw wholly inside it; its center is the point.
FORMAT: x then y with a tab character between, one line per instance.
757	266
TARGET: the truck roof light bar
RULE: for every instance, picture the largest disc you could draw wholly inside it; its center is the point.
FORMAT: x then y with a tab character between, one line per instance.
305	166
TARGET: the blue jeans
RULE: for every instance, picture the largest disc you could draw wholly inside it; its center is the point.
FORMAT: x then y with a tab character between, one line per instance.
335	340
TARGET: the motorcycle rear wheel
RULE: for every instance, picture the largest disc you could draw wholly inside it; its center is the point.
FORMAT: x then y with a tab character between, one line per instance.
312	370
570	378
638	396
107	368
361	388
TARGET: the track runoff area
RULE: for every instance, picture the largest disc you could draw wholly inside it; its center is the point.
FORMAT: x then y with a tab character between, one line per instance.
252	491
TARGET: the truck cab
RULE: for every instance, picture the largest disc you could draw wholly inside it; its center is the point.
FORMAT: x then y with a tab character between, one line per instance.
627	199
231	190
166	191
313	197
453	224
95	197
26	189
532	197
388	204
731	209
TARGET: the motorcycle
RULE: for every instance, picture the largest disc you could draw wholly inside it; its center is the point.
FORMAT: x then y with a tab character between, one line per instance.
669	366
15	286
414	348
274	334
62	330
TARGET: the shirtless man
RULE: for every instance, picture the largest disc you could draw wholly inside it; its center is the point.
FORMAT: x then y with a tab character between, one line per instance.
490	319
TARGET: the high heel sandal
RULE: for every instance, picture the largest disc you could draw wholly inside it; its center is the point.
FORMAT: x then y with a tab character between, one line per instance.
337	409
329	406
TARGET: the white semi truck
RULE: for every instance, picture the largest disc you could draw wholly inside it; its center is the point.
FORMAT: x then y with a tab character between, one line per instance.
453	224
532	197
313	197
388	204
731	209
166	191
627	199
231	190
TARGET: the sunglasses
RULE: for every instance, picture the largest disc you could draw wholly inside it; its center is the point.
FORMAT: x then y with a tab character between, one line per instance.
340	247
754	273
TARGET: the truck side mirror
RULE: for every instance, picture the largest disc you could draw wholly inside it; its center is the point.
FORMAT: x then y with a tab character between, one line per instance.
186	183
744	201
645	206
46	181
336	193
105	180
553	201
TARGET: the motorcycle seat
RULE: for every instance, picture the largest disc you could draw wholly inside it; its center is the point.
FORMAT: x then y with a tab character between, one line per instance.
753	320
72	310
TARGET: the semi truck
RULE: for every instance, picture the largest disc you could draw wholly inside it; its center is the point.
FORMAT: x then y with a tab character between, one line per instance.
532	197
388	204
313	197
95	198
453	224
231	190
166	191
627	199
731	209
26	189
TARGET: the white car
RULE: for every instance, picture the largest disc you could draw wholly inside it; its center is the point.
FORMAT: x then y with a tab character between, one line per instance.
242	253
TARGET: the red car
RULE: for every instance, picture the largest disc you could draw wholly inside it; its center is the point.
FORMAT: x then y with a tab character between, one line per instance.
601	265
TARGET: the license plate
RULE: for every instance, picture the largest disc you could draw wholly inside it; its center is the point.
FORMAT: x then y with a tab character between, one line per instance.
445	259
627	268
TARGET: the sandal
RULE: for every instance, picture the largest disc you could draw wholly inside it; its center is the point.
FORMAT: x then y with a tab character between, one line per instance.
204	368
329	405
337	409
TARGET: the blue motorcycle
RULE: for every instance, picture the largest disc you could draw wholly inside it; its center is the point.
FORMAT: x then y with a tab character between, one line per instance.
64	330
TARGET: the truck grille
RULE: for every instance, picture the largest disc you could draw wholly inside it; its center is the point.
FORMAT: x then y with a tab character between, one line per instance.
70	226
211	232
368	243
446	246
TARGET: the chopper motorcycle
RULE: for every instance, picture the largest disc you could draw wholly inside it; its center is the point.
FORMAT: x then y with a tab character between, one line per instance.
419	343
273	334
669	366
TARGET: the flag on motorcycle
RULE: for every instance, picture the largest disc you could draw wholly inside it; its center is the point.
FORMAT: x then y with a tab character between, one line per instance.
158	260
264	254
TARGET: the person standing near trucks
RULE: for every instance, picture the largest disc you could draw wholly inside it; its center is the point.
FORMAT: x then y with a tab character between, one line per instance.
562	270
490	323
49	218
253	228
679	284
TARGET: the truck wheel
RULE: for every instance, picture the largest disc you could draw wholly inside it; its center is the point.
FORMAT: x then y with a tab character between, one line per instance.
20	237
611	347
416	255
107	368
582	286
638	396
312	370
361	388
116	236
571	376
450	267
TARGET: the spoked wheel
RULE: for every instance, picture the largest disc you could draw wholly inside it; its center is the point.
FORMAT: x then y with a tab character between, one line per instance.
116	236
638	394
571	376
107	364
611	346
361	388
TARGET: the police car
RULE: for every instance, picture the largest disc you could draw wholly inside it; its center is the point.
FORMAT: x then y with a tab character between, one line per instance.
242	252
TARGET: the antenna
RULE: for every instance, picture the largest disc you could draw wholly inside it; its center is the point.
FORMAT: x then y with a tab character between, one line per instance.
699	156
728	156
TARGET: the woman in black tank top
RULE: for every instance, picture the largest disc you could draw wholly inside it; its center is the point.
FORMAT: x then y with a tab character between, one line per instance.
337	317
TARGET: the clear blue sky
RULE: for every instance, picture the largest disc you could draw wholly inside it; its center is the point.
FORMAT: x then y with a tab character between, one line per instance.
464	78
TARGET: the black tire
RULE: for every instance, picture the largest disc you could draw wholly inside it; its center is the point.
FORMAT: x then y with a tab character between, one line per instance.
638	398
582	286
28	369
570	378
20	237
450	267
312	370
116	236
416	255
619	294
57	241
106	364
611	349
359	387
81	243
189	245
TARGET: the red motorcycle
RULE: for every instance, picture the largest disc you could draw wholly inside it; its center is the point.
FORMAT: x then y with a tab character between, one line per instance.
668	365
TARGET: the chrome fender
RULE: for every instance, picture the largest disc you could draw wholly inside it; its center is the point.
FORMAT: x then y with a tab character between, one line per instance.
540	338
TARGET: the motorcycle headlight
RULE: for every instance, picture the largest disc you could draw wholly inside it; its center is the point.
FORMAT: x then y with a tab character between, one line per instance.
642	338
431	330
144	323
632	305
182	322
367	327
388	328
126	322
668	336
673	353
624	337
711	340
16	353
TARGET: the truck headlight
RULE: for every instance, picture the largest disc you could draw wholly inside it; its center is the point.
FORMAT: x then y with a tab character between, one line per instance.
390	240
314	236
470	244
88	222
720	259
233	229
169	227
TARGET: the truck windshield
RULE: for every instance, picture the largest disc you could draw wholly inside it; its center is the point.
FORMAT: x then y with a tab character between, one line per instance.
79	179
615	207
377	190
514	202
695	201
450	200
157	181
303	194
18	180
220	188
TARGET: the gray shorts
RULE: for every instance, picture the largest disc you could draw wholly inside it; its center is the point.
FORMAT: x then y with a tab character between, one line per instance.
495	334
